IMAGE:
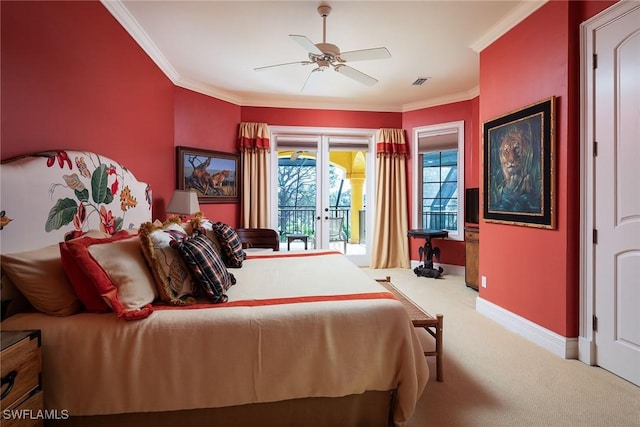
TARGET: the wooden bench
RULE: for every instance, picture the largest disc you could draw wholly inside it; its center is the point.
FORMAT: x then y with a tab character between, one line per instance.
258	238
421	319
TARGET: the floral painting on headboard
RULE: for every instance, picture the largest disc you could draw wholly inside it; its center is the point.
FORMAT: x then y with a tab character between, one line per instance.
68	193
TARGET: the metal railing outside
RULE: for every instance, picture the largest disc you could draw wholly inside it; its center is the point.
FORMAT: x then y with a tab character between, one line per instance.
302	219
440	220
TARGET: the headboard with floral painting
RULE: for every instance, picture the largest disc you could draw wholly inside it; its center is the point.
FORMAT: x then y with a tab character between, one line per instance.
51	196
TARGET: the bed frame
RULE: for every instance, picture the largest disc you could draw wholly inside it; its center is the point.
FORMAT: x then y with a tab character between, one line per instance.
32	189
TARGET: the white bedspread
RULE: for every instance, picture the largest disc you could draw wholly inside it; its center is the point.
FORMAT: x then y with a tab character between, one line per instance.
262	347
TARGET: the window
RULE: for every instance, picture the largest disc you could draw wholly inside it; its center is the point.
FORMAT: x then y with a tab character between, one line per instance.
439	204
439	178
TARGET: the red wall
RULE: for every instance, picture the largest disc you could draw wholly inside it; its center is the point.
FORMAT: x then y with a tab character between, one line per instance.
73	78
210	124
534	272
321	118
452	251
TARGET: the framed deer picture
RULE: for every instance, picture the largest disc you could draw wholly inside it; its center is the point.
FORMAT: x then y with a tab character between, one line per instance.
212	174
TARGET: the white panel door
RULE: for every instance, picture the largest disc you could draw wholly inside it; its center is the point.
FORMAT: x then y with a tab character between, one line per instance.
617	196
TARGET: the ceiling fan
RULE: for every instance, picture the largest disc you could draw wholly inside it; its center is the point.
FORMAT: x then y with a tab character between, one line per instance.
325	55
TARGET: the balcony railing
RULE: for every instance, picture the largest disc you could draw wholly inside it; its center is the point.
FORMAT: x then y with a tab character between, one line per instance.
440	220
302	219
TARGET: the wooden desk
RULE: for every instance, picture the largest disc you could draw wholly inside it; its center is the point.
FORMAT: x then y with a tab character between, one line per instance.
421	319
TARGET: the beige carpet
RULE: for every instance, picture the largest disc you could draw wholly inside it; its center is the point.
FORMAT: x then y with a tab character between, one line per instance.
493	377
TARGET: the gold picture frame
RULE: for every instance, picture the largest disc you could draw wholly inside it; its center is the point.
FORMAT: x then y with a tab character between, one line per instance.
519	173
214	175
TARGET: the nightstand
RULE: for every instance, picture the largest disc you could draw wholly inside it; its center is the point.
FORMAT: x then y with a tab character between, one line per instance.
20	363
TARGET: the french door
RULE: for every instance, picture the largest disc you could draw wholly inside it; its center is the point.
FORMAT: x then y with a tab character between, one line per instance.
321	189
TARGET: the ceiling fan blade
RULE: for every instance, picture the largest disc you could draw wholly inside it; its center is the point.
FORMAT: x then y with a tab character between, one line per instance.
280	65
364	54
306	44
356	75
311	78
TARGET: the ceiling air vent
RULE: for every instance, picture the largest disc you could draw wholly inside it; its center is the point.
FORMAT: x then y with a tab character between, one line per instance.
420	80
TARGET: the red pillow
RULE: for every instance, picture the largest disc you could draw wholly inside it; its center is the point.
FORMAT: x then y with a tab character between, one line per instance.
90	280
81	284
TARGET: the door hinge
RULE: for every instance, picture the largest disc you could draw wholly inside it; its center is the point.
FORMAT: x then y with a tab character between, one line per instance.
594	323
595	148
595	61
595	236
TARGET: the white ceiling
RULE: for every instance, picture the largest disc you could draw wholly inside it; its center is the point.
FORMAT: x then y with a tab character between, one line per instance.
212	47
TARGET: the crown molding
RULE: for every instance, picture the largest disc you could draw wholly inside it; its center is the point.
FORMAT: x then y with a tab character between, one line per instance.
449	99
209	90
128	22
509	21
331	104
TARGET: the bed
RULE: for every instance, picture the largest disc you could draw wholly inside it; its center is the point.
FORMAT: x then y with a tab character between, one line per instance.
300	338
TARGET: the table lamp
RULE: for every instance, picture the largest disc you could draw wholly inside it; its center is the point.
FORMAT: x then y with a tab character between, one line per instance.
183	203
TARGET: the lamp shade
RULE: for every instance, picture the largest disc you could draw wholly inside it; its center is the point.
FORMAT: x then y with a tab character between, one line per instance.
184	202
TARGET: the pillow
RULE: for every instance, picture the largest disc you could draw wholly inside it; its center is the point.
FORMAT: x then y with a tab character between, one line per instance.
199	222
39	276
117	270
172	277
232	251
13	301
207	267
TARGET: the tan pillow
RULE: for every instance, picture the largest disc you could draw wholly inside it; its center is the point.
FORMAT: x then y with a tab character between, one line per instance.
123	262
171	275
116	270
39	276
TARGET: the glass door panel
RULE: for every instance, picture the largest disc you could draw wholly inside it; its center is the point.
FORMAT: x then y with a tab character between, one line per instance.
346	198
321	192
297	197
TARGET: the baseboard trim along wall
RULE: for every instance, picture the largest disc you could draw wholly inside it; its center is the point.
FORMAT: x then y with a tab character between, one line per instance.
567	348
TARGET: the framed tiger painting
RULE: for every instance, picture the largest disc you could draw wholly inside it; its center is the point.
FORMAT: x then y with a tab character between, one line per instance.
213	175
519	173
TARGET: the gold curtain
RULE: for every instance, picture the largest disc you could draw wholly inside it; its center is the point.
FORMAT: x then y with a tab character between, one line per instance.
253	142
390	246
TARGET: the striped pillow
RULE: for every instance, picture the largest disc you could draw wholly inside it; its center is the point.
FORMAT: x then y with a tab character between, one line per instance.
232	251
208	269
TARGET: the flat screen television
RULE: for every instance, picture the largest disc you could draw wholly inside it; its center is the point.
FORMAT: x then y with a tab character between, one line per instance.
471	205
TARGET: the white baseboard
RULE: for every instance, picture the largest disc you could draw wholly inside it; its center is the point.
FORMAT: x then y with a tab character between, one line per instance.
567	348
456	270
